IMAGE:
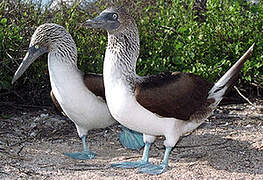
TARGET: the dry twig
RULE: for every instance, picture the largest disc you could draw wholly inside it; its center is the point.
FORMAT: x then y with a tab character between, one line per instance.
244	97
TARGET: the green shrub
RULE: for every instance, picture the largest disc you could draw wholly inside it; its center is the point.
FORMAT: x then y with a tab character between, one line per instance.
173	40
171	36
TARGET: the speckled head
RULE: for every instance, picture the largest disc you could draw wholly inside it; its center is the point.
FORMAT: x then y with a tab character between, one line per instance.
123	39
53	37
46	38
112	19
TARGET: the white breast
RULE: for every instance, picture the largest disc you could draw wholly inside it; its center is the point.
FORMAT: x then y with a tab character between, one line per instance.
85	109
123	105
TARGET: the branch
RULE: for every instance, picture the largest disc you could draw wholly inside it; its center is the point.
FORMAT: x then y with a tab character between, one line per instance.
245	98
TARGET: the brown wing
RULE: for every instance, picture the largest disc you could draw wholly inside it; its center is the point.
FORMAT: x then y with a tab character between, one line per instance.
177	95
94	82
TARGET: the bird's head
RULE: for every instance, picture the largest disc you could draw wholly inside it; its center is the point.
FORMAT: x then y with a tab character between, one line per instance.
112	19
46	38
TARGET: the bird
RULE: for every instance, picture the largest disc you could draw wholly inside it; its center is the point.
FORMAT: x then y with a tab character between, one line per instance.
168	104
79	96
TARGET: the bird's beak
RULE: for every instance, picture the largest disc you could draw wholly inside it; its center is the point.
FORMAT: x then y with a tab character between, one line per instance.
32	54
103	22
97	22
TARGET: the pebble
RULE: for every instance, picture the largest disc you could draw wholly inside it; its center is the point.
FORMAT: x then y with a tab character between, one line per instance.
43	115
33	134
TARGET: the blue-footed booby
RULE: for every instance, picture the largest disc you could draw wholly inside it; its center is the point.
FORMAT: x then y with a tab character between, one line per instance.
168	104
80	96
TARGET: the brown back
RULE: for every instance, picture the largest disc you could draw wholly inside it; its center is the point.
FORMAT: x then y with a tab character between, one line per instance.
177	95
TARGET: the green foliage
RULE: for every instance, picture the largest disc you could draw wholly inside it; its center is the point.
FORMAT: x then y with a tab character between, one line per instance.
172	38
18	20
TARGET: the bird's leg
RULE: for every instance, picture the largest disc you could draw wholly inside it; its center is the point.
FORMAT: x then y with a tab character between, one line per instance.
172	137
142	163
85	154
158	169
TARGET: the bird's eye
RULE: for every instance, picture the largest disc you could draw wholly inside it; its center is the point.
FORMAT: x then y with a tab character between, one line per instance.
115	16
36	46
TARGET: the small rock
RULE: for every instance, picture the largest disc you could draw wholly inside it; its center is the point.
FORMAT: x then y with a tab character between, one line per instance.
33	134
33	125
249	125
43	115
36	119
260	110
48	151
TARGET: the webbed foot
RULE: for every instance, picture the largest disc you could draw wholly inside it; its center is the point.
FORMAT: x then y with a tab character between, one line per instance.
84	155
131	139
154	169
130	165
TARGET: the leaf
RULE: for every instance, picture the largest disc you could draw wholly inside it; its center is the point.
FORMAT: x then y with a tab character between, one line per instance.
182	29
178	45
3	21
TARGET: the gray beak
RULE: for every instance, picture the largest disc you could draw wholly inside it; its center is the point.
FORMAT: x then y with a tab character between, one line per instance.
98	22
31	55
103	21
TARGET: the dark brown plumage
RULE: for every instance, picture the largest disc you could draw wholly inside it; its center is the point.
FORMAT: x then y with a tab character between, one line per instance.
184	95
177	95
94	82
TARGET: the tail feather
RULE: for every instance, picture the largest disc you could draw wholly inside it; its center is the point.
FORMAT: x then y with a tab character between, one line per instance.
219	89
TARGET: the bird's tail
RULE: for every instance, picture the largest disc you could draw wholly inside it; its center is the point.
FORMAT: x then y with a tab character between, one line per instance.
219	89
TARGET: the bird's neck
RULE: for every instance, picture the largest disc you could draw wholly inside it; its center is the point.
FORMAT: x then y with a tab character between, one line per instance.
121	56
63	73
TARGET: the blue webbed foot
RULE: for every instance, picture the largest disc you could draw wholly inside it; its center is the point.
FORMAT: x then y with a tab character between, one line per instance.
131	139
158	169
154	169
129	165
84	155
142	163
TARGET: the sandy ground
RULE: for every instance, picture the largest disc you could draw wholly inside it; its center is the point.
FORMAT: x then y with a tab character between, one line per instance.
228	146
